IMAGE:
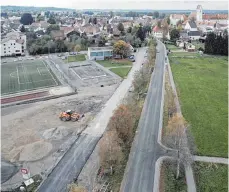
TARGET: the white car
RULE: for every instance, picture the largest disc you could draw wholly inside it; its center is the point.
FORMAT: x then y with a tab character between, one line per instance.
15	60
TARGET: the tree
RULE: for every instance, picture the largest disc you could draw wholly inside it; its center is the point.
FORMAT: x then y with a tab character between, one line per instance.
26	19
165	28
159	24
120	27
121	121
52	28
110	152
51	20
22	29
192	19
90	20
168	20
174	34
102	41
95	20
129	30
162	16
176	138
77	48
150	14
141	33
156	14
111	14
121	48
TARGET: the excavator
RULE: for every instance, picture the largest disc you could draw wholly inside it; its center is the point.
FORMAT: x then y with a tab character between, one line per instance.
70	115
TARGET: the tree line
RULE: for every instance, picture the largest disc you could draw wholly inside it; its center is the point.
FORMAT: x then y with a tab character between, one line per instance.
216	44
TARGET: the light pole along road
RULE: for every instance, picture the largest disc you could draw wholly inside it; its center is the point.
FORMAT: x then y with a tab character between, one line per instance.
140	170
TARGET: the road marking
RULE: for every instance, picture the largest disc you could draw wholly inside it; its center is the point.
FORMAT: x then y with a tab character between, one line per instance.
12	74
49	72
38	71
76	74
18	76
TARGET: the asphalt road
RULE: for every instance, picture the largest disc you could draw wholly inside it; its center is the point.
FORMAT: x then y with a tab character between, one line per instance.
139	174
74	160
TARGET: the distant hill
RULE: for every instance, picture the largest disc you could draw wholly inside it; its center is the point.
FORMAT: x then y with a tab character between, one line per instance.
25	8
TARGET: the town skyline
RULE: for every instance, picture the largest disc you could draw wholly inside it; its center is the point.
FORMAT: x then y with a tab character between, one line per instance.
118	4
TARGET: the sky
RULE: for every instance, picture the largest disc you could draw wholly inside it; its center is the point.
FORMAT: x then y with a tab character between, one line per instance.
122	4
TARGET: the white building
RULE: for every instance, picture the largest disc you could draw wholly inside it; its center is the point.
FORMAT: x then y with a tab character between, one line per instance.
199	13
13	44
100	53
190	26
158	33
174	18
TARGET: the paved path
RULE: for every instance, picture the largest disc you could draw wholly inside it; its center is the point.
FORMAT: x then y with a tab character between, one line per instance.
140	170
74	160
211	159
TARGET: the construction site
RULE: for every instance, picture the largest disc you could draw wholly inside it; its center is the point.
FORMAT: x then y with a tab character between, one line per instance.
37	131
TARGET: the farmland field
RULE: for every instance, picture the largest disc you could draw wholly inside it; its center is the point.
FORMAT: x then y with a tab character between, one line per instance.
26	75
202	88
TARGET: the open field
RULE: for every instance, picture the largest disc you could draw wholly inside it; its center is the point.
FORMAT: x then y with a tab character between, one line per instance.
211	177
172	47
122	71
75	58
114	63
202	88
26	75
183	54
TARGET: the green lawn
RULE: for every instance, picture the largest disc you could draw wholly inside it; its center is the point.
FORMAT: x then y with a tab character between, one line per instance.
26	75
198	44
114	63
211	177
122	72
75	58
183	54
172	47
202	89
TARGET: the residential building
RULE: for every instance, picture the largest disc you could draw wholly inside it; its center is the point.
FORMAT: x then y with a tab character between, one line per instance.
158	33
190	26
13	45
57	34
174	18
100	53
193	32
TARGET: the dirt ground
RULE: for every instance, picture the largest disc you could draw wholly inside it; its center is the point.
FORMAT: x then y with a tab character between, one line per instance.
33	135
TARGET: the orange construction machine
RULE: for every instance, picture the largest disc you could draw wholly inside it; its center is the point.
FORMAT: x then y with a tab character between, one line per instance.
70	115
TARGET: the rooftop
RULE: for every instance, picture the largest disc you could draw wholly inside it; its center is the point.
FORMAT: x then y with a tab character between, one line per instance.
100	48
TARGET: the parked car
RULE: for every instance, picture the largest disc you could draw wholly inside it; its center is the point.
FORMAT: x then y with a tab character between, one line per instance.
4	62
132	59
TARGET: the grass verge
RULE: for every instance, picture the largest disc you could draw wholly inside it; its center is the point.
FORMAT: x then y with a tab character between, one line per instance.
202	89
122	71
211	177
168	180
75	58
114	63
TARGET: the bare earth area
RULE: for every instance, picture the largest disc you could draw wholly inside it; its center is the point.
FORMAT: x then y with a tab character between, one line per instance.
33	136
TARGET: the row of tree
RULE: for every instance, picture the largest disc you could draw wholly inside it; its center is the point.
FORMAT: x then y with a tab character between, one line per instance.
216	44
115	145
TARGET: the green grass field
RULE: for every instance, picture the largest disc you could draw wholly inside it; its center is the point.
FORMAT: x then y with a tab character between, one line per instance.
114	63
122	72
26	75
172	47
75	58
211	177
202	88
183	54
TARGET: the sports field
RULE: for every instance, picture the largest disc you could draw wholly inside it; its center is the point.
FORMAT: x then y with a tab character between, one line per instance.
26	75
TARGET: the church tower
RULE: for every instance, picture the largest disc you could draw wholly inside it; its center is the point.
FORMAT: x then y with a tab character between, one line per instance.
199	13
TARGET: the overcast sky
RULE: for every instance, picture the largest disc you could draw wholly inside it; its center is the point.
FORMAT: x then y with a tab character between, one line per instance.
121	4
